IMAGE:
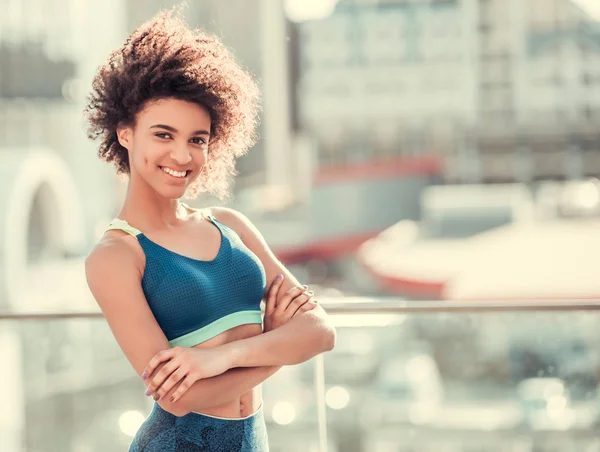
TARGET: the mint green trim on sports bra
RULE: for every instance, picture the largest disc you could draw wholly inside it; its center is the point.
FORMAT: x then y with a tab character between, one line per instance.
217	327
122	225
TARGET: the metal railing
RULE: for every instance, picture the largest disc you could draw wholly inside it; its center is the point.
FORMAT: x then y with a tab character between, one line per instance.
368	305
364	306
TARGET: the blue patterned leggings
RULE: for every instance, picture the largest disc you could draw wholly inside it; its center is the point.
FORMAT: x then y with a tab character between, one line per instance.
195	432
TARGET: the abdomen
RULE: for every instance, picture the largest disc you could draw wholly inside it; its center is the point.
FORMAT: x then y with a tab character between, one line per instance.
248	402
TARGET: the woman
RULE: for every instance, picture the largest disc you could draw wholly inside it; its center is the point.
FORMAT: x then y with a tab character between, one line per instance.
181	288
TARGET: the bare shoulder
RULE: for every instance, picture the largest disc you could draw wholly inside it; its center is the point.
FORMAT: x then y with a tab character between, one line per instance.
115	251
235	220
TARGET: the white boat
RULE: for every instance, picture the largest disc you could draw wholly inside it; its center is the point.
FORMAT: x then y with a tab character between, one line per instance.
544	244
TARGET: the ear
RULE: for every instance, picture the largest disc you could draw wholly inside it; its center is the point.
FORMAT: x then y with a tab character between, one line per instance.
124	135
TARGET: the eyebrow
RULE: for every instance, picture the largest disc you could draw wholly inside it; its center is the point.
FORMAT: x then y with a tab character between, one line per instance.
174	130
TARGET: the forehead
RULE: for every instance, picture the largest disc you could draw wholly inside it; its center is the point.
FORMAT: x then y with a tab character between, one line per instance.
178	113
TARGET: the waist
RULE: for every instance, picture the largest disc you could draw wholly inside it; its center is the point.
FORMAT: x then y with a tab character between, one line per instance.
204	418
254	413
241	407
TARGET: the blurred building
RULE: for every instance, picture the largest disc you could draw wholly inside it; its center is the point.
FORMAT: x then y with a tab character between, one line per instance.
374	73
504	89
53	192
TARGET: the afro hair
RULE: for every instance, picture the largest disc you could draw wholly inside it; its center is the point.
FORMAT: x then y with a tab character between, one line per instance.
163	58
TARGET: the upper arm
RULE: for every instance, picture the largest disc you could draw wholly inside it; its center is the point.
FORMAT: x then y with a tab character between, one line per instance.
113	275
254	240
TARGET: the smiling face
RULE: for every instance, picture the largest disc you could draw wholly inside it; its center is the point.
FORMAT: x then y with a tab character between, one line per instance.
167	145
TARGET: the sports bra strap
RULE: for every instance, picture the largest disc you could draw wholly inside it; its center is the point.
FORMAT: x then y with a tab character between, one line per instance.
204	216
122	225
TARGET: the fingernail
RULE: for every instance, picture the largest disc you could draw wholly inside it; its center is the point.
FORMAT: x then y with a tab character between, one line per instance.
156	396
172	399
305	286
144	375
310	292
279	276
148	392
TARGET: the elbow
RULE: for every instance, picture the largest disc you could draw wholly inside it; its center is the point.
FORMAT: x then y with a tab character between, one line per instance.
323	341
178	408
329	338
183	405
326	330
320	342
326	337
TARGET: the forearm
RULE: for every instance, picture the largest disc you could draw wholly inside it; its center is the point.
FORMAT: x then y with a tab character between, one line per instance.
214	391
297	341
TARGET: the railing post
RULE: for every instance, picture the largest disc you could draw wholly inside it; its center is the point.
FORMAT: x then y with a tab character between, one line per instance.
321	407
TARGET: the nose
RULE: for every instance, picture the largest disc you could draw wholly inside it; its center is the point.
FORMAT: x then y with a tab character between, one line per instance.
181	154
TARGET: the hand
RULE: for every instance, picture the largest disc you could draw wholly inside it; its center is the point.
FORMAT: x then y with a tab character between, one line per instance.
185	365
280	309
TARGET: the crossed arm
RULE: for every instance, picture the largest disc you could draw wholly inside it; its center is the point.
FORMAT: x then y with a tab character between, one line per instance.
185	366
250	361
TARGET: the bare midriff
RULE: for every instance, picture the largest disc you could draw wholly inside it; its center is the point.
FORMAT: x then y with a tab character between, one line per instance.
249	402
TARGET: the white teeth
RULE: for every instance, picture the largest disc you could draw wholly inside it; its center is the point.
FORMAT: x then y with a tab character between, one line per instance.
173	172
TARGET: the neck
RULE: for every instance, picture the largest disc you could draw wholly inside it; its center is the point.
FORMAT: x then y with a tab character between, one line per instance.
147	209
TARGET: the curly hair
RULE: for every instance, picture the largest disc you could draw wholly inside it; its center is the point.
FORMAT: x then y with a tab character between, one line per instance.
163	58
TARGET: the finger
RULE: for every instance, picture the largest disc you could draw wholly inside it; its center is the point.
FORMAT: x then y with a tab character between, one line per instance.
160	377
273	292
298	302
287	298
160	357
312	304
173	379
186	384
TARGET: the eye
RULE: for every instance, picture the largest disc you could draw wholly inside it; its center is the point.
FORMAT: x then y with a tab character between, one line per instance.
198	140
163	135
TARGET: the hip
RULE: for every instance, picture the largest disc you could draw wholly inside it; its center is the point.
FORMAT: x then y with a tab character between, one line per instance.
165	432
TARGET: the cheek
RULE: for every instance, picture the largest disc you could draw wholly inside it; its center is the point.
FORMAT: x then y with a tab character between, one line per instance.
148	154
199	158
144	157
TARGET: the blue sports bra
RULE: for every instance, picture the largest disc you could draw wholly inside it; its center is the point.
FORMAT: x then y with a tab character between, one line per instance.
195	300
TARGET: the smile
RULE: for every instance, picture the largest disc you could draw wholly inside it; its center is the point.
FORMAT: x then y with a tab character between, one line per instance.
172	172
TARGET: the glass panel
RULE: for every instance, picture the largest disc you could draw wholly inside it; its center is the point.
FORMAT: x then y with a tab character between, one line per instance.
67	387
290	409
520	381
71	386
465	382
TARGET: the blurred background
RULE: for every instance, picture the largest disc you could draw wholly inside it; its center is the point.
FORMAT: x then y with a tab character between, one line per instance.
419	154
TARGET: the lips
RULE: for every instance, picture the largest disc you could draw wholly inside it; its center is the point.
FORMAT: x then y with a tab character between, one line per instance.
174	173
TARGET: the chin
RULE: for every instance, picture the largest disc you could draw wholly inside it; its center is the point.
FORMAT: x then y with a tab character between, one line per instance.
174	194
170	192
